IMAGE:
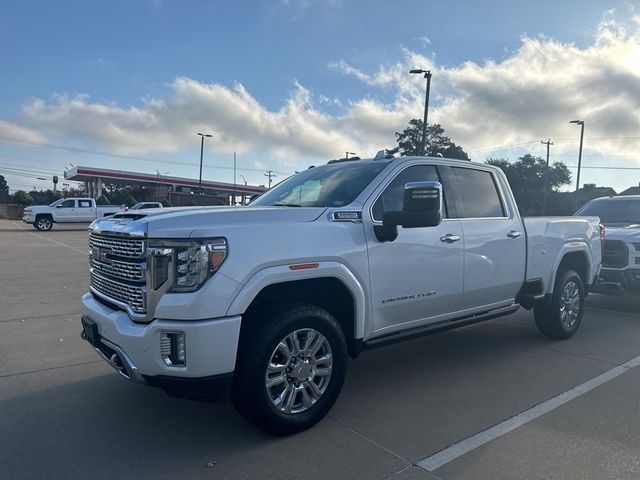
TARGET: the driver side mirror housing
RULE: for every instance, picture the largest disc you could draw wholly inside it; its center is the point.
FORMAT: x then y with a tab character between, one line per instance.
421	207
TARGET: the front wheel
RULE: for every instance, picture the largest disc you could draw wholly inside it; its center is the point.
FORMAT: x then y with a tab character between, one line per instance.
43	223
291	368
561	317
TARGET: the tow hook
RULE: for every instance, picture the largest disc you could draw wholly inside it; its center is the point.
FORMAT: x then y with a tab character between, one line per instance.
116	362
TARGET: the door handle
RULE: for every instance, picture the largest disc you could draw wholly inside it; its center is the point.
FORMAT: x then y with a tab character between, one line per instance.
450	238
514	234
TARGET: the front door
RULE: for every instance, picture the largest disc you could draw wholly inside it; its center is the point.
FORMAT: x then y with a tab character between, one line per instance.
418	277
66	211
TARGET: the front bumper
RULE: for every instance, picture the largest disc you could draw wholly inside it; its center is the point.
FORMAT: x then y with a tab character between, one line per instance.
133	349
618	281
29	218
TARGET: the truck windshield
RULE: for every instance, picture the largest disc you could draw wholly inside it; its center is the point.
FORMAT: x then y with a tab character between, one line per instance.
614	212
56	202
332	185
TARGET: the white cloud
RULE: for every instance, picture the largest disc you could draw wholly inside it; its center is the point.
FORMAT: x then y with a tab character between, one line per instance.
528	95
15	132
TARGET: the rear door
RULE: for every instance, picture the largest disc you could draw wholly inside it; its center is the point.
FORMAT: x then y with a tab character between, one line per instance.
85	211
495	249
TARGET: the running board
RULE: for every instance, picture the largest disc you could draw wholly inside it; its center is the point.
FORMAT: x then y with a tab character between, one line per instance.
438	327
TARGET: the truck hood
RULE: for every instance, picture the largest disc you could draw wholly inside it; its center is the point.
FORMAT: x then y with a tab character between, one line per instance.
627	233
38	209
183	222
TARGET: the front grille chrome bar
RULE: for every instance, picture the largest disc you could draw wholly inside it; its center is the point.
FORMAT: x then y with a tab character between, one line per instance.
121	247
132	296
132	272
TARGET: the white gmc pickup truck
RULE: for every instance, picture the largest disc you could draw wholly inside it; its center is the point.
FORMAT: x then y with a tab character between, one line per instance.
67	210
267	302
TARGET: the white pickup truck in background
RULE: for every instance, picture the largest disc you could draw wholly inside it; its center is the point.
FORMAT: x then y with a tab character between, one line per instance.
67	210
620	215
266	302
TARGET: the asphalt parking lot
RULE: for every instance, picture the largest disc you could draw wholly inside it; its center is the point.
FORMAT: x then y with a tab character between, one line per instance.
66	414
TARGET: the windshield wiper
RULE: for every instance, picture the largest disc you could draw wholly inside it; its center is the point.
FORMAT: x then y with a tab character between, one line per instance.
286	205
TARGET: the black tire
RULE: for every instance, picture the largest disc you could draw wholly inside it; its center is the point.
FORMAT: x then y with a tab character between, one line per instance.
549	314
259	340
43	223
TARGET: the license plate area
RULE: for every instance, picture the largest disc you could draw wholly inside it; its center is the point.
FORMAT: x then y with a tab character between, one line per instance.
90	331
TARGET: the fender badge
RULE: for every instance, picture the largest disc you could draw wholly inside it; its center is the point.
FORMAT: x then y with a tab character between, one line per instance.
347	216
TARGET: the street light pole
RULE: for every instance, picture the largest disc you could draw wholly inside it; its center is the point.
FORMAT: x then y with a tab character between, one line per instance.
581	123
427	75
346	156
234	179
546	178
202	135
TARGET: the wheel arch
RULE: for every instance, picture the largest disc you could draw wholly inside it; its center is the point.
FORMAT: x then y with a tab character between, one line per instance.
330	285
576	259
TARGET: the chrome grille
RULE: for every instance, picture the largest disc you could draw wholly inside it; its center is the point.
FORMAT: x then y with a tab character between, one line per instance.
133	296
121	247
133	272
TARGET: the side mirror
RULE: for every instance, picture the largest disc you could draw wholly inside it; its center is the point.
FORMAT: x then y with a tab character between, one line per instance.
422	207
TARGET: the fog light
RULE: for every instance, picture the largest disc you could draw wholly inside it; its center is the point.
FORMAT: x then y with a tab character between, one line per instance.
172	349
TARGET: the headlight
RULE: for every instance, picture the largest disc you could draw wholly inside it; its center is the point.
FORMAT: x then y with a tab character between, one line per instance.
194	262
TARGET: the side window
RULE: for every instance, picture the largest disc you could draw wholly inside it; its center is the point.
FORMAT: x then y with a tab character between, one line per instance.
84	203
392	196
479	194
67	204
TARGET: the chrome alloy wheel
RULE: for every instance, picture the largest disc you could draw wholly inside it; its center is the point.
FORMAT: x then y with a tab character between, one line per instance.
299	371
44	224
570	304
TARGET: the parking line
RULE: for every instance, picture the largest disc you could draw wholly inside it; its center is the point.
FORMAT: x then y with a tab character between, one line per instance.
84	252
432	463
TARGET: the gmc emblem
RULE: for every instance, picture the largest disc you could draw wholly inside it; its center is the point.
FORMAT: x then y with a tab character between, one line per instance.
100	254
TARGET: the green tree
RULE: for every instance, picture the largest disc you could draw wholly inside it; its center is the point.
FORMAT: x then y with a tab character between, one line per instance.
102	200
438	144
3	184
22	198
526	177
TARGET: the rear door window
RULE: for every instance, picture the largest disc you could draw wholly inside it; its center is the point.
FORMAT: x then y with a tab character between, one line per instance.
478	193
84	203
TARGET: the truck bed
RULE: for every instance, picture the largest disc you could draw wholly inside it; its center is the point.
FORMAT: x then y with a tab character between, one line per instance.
549	238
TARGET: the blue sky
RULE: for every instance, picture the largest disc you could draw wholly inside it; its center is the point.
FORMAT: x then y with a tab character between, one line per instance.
130	78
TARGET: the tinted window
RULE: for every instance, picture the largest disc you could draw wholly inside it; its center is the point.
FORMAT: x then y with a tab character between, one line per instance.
84	203
611	212
67	204
479	194
392	196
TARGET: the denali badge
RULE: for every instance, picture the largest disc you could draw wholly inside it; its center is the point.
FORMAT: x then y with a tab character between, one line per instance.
409	297
347	216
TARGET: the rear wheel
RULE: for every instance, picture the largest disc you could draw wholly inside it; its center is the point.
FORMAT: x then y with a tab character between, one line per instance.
561	317
291	368
43	223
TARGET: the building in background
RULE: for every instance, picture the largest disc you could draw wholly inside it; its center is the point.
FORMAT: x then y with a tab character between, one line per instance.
178	191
